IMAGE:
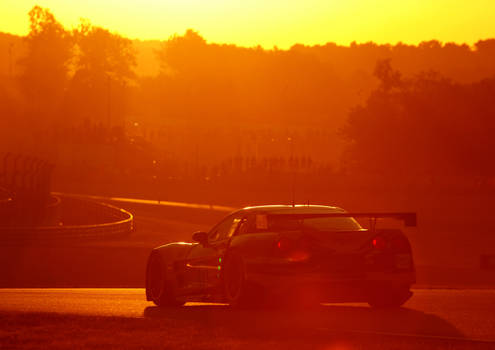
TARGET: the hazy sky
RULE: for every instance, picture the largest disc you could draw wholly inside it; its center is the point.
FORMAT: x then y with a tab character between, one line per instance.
273	22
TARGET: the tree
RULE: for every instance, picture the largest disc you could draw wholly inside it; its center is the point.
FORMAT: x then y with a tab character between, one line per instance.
104	68
45	68
388	77
426	127
187	54
196	79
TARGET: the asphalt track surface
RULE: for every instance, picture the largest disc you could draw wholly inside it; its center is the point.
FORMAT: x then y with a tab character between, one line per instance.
444	313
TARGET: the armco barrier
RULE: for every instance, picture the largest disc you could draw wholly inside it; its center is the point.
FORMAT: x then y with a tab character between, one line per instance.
111	221
196	213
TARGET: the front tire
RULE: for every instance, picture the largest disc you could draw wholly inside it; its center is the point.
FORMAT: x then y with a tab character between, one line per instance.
158	288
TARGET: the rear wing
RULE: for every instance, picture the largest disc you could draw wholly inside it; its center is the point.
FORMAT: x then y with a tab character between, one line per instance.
409	219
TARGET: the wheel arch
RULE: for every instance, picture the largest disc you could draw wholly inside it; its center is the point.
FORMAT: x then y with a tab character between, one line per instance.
168	254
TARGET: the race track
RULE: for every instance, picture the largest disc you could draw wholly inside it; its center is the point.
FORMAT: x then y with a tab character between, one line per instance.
459	315
467	314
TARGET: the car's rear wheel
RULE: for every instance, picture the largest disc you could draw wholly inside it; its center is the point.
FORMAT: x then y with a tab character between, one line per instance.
234	282
158	289
389	297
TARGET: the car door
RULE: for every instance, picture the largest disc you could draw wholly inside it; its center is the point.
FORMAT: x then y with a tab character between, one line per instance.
203	262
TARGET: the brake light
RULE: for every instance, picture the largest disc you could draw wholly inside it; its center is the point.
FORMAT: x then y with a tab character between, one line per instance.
398	244
294	251
284	244
379	243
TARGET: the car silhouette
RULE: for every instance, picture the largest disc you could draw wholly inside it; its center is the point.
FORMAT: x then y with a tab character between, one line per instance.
310	253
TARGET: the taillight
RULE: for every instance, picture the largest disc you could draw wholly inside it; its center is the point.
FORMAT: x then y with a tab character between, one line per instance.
284	244
395	244
394	250
379	243
295	251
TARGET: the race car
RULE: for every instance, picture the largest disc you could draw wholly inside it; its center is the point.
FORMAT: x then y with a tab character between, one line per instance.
310	253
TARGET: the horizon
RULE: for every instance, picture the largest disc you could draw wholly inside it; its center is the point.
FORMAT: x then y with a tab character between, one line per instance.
348	45
316	23
210	42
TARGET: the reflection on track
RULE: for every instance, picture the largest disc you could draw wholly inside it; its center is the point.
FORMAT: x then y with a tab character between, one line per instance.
325	318
442	313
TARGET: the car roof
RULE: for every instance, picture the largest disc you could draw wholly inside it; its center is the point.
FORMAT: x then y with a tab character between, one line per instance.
294	209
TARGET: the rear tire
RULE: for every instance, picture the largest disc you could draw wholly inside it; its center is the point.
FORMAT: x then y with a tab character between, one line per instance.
392	297
234	282
158	288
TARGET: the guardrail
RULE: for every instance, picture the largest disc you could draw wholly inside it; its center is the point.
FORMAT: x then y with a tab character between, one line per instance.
205	214
156	202
118	222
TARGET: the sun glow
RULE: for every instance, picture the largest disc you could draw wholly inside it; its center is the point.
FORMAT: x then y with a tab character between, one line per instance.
276	22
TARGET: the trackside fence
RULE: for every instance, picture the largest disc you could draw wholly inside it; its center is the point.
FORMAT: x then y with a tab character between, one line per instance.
26	180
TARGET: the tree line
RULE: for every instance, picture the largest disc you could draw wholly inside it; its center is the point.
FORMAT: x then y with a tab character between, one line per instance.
416	112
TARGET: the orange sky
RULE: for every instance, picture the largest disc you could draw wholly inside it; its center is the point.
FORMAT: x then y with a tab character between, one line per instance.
273	22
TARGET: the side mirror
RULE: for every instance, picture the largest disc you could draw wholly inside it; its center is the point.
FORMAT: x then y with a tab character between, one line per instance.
200	237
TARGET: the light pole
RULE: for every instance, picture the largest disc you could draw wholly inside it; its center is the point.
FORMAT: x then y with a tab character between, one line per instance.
11	46
292	168
109	105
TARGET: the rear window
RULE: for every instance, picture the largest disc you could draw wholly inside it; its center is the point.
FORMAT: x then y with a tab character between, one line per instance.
269	223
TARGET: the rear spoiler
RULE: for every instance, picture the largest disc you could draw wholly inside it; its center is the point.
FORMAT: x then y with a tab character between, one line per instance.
409	219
